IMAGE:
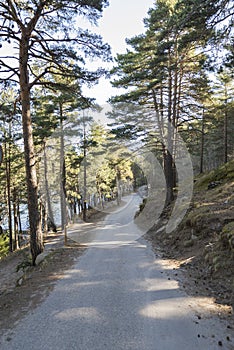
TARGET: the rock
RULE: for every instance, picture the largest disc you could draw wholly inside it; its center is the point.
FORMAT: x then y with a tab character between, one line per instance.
41	257
20	281
213	184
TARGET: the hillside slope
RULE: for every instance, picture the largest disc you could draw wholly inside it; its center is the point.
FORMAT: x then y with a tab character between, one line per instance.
203	244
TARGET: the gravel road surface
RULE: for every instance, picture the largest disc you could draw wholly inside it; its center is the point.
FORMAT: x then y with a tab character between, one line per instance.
117	296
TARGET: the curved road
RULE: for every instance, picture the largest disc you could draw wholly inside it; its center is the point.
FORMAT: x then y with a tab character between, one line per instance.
117	296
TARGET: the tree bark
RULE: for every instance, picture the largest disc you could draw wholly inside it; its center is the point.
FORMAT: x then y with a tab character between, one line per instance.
202	143
225	129
62	177
85	172
50	215
8	187
16	229
36	241
170	132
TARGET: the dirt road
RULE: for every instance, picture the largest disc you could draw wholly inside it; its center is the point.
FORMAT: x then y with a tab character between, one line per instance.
118	296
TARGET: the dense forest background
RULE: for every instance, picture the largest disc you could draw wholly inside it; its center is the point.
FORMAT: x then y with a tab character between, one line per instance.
178	77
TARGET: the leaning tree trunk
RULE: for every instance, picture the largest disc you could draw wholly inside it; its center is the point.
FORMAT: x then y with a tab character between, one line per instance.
36	242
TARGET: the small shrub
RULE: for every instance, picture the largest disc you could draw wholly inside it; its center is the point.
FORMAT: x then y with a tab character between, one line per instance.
4	245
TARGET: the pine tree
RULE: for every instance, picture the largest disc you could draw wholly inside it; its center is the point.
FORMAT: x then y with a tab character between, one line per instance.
46	36
163	72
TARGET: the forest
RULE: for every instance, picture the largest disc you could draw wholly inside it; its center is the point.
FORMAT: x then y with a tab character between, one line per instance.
178	81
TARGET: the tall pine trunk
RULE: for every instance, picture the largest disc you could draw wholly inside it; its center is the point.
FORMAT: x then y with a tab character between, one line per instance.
62	177
8	188
15	215
169	171
225	129
50	215
36	241
202	143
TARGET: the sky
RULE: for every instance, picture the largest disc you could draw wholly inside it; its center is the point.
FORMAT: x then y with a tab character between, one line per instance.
121	19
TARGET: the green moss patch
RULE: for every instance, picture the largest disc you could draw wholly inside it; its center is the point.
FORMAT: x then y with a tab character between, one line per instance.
222	174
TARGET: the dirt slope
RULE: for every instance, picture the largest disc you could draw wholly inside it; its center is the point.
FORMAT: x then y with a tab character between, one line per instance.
203	244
